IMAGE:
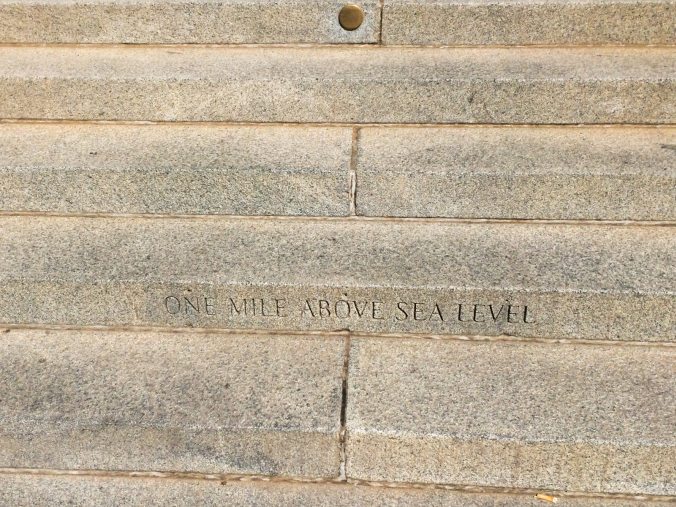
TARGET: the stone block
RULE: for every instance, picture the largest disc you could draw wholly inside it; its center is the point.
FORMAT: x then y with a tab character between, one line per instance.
183	22
518	172
167	401
333	84
238	170
518	415
556	281
525	22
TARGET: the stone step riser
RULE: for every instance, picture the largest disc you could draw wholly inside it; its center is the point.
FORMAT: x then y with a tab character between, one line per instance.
291	21
354	85
455	172
546	281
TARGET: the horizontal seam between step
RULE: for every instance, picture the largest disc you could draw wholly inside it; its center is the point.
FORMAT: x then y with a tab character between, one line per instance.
337	333
346	125
338	218
341	218
510	491
327	45
225	478
5	327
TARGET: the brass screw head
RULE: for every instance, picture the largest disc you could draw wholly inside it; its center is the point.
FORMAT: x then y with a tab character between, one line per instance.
351	17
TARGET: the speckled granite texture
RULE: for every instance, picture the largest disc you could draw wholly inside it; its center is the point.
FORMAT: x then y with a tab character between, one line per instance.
530	280
332	84
183	22
520	172
561	416
524	22
149	401
588	173
233	170
426	22
248	257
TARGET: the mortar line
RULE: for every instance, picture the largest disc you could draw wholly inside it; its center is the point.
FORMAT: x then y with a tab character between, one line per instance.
353	170
328	124
339	219
324	45
253	478
197	331
512	339
464	488
343	408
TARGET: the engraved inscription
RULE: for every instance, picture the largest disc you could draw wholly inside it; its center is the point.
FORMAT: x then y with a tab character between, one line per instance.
350	309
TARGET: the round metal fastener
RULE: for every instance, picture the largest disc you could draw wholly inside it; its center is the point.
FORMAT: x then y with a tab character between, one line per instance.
351	17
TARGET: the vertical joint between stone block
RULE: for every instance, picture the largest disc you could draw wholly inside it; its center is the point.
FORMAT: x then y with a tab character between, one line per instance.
353	171
380	21
343	410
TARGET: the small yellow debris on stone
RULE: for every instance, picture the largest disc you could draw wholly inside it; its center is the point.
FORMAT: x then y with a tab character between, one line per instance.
546	498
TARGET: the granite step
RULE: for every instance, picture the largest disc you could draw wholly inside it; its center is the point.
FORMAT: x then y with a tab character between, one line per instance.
519	172
267	405
559	281
451	22
571	417
459	172
536	416
235	170
183	22
22	490
334	84
524	22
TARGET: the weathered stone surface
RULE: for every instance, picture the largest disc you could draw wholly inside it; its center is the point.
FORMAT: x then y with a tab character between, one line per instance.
549	281
564	416
182	21
151	401
332	84
519	172
239	170
40	490
528	22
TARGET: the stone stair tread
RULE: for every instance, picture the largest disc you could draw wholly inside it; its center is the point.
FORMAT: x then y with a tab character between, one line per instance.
450	22
520	172
475	22
334	84
588	173
167	401
523	279
45	491
570	417
182	22
238	170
